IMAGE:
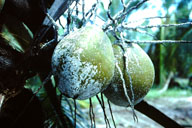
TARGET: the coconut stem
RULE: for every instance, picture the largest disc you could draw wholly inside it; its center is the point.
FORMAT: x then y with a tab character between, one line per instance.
102	99
111	112
130	79
93	117
75	118
103	108
125	92
91	114
125	57
69	104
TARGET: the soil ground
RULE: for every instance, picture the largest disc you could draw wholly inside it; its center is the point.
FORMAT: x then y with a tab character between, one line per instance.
179	109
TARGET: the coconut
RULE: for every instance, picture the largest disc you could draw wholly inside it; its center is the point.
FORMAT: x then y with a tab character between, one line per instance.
83	62
135	69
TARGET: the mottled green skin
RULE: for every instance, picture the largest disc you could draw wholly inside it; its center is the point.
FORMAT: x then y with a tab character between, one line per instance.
1	4
84	63
141	70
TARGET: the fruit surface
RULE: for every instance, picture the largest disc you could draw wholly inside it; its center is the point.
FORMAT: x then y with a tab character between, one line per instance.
84	63
140	73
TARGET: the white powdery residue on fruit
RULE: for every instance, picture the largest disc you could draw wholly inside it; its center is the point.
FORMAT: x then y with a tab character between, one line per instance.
76	78
90	86
84	74
68	77
78	51
89	71
132	58
93	88
137	61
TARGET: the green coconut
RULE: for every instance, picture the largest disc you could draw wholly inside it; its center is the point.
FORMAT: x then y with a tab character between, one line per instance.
84	63
136	70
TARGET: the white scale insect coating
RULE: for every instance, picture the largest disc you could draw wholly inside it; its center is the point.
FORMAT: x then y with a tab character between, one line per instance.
77	76
75	72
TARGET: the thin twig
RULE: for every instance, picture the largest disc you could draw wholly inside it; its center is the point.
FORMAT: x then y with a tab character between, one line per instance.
104	113
94	122
125	57
118	16
48	45
108	11
144	32
68	20
61	24
147	18
83	11
159	41
75	118
53	21
76	8
124	6
91	10
125	92
111	112
90	13
102	109
102	99
121	15
131	9
90	113
131	86
125	26
129	3
93	115
69	104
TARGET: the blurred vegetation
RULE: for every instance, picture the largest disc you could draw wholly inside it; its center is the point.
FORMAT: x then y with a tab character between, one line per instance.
173	92
67	105
176	58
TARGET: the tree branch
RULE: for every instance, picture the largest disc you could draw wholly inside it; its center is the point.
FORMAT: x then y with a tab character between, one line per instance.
147	18
159	41
156	115
125	26
121	15
56	10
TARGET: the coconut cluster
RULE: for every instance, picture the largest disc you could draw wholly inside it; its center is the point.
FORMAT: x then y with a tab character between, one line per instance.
86	63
